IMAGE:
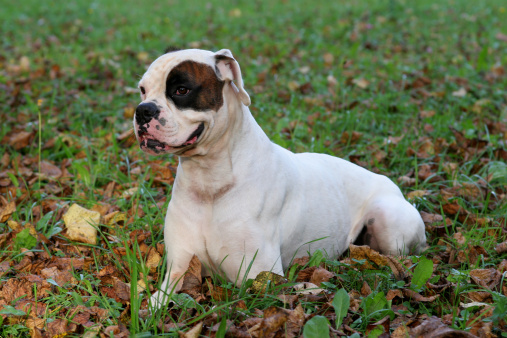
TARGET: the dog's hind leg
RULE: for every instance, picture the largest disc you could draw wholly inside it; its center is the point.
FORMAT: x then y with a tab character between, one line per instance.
391	225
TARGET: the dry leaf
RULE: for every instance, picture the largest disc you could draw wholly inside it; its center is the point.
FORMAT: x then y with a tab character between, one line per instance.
192	279
487	278
193	332
460	92
361	83
50	170
261	281
81	224
418	297
417	193
307	288
321	275
434	328
6	209
501	248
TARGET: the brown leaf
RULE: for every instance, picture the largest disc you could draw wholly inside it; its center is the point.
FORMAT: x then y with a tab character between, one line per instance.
365	289
431	218
61	327
6	209
434	328
372	256
60	277
501	248
384	323
401	331
500	36
418	297
301	261
20	139
479	296
502	267
192	280
118	331
121	289
274	320
487	278
426	113
290	300
219	293
321	275
306	274
5	267
50	170
391	294
295	321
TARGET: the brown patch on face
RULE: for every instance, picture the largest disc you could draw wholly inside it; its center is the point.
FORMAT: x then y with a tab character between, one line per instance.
204	87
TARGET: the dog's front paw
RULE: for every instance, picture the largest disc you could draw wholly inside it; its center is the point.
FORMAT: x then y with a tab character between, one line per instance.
159	300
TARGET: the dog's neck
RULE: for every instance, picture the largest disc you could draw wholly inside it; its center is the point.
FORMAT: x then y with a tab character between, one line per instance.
210	175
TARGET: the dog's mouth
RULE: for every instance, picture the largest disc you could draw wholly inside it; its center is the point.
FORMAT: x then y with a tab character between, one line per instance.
147	142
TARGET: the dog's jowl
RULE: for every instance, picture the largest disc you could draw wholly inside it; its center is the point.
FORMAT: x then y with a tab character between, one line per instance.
237	195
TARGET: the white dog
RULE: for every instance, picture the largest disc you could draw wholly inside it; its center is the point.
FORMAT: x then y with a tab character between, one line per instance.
238	195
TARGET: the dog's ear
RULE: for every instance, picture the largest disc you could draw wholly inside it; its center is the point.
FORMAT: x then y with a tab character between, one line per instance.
228	70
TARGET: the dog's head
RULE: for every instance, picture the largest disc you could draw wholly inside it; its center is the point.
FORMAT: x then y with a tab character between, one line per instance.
184	97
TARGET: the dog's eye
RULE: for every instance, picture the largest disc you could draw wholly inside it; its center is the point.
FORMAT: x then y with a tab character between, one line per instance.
143	91
181	91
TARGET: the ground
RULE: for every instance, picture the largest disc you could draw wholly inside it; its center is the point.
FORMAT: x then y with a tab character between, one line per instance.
412	90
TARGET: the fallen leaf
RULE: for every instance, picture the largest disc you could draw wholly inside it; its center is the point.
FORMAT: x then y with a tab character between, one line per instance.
20	139
431	218
361	83
501	248
369	256
81	224
50	170
153	260
418	297
434	328
6	209
460	92
417	193
307	288
274	320
500	36
261	281
365	289
193	332
487	278
328	59
192	279
122	289
321	275
427	113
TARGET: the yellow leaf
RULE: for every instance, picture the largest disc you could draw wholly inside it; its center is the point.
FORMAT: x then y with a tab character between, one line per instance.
460	92
361	83
81	224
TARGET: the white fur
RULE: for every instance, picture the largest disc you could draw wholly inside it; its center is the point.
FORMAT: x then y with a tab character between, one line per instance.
237	194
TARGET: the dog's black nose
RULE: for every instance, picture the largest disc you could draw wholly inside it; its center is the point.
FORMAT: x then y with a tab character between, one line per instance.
145	112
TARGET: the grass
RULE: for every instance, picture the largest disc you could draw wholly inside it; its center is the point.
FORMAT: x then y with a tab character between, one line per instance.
398	87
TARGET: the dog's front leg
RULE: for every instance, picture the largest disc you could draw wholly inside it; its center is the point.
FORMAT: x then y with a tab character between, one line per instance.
176	267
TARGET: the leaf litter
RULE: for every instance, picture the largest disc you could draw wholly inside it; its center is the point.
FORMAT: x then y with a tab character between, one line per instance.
69	274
